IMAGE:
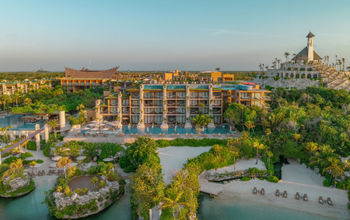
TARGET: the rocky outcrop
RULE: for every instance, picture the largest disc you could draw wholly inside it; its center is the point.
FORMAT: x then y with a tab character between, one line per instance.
93	202
18	186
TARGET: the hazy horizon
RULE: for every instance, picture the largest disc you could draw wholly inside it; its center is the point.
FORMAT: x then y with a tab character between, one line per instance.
166	35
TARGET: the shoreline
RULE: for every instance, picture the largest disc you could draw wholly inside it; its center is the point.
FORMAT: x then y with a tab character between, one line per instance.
241	189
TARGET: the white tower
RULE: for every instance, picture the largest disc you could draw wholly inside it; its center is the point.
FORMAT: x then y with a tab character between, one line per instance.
310	47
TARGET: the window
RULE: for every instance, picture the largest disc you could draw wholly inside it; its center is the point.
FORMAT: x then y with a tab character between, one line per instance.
148	110
244	95
125	102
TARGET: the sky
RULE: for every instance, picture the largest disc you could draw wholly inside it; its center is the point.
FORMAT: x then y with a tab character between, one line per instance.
166	34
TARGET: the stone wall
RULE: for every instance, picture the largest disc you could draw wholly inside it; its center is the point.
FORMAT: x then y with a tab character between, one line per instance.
102	197
287	83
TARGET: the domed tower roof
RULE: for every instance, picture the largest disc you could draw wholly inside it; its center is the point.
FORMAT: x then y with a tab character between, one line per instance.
310	35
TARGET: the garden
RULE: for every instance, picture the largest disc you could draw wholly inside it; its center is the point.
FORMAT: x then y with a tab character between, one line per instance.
80	193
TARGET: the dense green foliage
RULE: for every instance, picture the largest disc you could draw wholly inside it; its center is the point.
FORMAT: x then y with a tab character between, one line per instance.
50	100
19	76
72	149
137	153
312	125
147	185
31	145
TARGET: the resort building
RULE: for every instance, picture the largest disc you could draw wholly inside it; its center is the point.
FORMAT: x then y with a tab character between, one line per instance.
76	80
305	69
175	104
10	88
205	76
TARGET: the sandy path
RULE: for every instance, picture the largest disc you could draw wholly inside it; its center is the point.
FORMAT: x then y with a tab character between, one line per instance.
173	159
299	173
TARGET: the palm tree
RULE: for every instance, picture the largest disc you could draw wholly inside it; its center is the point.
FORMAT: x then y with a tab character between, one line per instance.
286	55
335	168
17	96
258	147
311	147
64	163
235	154
80	107
53	125
269	155
174	203
249	125
15	170
27	101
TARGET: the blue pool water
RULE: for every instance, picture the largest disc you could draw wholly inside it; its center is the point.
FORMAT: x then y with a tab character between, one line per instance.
16	122
224	129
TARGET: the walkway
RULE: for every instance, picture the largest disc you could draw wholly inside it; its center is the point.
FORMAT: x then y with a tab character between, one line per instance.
20	143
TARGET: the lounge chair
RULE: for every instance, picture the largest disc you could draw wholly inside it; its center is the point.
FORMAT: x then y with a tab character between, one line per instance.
320	200
277	193
262	191
305	198
255	191
297	196
285	194
329	201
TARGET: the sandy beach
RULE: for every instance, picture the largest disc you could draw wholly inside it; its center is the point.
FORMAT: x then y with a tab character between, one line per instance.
173	159
298	178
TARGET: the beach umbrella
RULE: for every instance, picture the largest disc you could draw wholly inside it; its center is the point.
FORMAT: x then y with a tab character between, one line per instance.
109	159
56	158
81	158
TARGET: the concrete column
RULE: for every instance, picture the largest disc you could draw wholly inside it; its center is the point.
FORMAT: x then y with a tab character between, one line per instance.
120	110
165	110
37	136
188	104
62	119
141	123
211	100
11	136
98	110
46	133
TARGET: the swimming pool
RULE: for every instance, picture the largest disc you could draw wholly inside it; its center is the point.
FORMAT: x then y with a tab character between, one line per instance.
224	129
17	123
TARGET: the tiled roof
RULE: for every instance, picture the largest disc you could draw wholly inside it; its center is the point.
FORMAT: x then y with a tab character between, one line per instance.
85	73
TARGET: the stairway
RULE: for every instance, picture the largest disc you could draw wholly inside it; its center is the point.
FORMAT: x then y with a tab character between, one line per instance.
333	78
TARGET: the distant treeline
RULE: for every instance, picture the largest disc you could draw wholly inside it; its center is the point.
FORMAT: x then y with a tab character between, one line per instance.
11	76
243	75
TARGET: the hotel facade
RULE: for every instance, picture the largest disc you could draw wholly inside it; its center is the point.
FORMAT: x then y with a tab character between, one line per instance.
175	104
24	87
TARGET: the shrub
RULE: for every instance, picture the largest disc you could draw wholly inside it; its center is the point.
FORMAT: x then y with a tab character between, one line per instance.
10	160
109	150
40	161
272	179
25	155
31	145
245	178
327	183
